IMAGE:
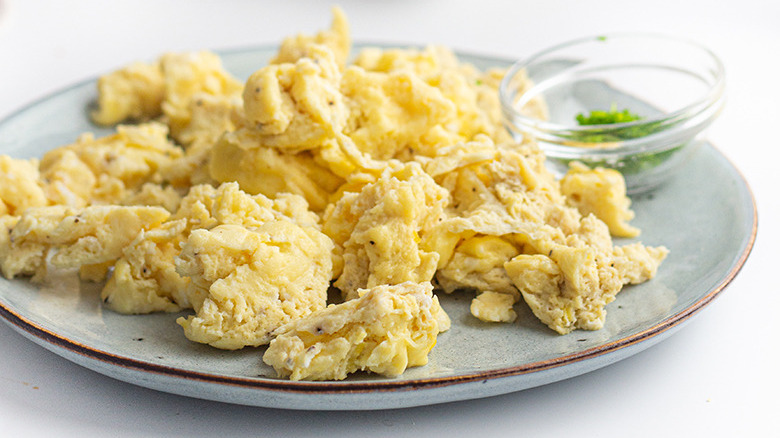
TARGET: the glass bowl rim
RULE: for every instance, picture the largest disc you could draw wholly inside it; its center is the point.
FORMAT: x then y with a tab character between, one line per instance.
710	101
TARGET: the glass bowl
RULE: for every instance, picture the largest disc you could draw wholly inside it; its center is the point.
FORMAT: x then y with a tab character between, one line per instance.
673	86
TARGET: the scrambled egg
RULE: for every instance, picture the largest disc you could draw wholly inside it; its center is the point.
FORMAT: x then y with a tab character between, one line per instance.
478	263
135	92
492	306
569	280
385	330
253	280
110	169
146	278
20	186
601	192
386	177
377	230
270	171
169	86
193	95
511	230
68	237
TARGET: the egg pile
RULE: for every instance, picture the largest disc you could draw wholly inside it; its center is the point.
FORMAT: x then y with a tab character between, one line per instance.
387	175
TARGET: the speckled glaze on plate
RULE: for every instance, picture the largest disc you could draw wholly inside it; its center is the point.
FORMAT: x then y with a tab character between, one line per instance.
706	216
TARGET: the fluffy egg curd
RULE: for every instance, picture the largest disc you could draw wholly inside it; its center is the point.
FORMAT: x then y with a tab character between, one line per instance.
384	330
385	174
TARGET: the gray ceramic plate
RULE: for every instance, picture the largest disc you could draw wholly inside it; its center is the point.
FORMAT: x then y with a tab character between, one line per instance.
706	216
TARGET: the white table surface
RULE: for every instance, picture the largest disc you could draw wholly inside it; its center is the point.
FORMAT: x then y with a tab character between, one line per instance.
717	377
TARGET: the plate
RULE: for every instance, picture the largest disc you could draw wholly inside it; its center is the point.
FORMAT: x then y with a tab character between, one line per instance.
706	216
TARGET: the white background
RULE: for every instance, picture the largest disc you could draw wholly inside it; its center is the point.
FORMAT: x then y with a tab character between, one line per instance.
717	377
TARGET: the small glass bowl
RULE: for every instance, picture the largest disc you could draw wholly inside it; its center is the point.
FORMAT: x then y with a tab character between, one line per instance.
675	86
